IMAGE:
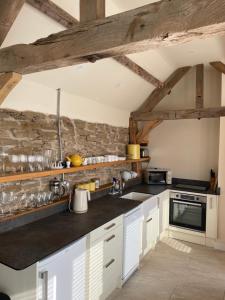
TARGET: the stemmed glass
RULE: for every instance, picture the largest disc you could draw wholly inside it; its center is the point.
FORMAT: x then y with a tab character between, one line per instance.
3	156
15	160
23	160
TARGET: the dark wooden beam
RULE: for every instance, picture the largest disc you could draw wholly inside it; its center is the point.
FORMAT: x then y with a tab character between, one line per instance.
155	25
53	11
91	10
219	66
133	131
95	9
135	68
159	93
7	82
212	112
199	86
142	135
9	9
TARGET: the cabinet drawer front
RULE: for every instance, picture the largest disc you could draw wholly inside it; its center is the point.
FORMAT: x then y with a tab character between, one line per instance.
112	276
105	229
113	244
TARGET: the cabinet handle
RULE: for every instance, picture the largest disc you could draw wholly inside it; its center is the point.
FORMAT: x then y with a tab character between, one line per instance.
149	220
44	277
110	238
158	201
110	226
109	263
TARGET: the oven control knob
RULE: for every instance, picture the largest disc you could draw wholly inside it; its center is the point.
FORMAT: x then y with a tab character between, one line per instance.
197	198
177	196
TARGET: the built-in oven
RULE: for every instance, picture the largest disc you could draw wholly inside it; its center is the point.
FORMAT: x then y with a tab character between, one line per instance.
188	211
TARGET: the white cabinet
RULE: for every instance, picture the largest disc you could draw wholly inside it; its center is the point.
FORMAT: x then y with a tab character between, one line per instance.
211	217
163	213
62	276
150	224
132	239
104	260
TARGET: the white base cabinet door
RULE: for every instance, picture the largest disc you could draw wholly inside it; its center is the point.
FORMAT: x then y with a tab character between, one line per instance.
163	213
62	276
58	277
150	224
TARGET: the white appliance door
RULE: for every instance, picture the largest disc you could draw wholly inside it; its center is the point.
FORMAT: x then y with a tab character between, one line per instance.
132	242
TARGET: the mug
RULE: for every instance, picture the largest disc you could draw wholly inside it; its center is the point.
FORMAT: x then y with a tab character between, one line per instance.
85	161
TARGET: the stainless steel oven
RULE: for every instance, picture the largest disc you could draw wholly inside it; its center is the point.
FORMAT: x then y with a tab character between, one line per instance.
188	211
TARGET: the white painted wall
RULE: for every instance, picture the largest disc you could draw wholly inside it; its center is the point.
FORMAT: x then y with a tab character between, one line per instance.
188	147
29	95
221	172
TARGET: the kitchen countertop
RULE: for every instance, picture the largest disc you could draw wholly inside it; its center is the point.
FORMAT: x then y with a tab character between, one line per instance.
28	244
157	189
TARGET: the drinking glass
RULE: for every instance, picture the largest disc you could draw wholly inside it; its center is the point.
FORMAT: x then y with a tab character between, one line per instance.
50	197
23	162
15	159
39	200
31	163
48	160
31	200
3	157
23	203
40	162
7	205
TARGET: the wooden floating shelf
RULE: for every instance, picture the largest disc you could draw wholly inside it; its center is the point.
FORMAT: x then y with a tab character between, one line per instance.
33	175
33	210
63	200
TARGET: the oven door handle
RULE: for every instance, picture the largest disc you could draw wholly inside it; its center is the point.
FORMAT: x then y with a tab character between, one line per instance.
189	203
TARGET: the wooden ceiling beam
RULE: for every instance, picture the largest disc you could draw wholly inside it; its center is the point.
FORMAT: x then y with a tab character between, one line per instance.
7	82
9	9
154	25
91	10
219	66
135	68
212	112
199	102
159	93
54	11
142	135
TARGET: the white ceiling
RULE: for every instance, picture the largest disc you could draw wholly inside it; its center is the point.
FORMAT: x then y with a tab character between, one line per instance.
107	81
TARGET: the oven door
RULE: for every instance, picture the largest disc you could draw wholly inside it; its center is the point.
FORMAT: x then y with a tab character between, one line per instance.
188	214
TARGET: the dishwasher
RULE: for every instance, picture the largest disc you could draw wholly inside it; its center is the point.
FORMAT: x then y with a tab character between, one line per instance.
132	241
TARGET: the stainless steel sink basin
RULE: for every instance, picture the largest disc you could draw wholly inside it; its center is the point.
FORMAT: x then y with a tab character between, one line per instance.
137	196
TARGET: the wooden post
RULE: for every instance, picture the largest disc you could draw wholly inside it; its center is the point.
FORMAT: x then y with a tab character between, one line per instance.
199	86
133	129
91	10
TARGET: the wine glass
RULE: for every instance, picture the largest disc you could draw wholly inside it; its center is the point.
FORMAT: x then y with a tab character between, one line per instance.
3	156
23	160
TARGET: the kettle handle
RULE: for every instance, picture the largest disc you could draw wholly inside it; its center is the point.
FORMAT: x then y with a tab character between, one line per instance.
88	195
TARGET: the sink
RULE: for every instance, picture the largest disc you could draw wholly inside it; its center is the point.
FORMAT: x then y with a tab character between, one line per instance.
137	196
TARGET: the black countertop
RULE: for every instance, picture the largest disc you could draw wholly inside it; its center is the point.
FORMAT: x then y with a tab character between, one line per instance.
26	245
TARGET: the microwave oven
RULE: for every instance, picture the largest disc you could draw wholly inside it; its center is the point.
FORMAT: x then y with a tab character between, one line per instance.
158	176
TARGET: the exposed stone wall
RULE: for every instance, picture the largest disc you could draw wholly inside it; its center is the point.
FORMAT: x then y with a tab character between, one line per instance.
31	132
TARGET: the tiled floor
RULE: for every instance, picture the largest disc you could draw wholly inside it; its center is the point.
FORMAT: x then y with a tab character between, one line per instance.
177	270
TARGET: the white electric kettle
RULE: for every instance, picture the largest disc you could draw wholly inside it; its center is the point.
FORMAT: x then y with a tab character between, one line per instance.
80	201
